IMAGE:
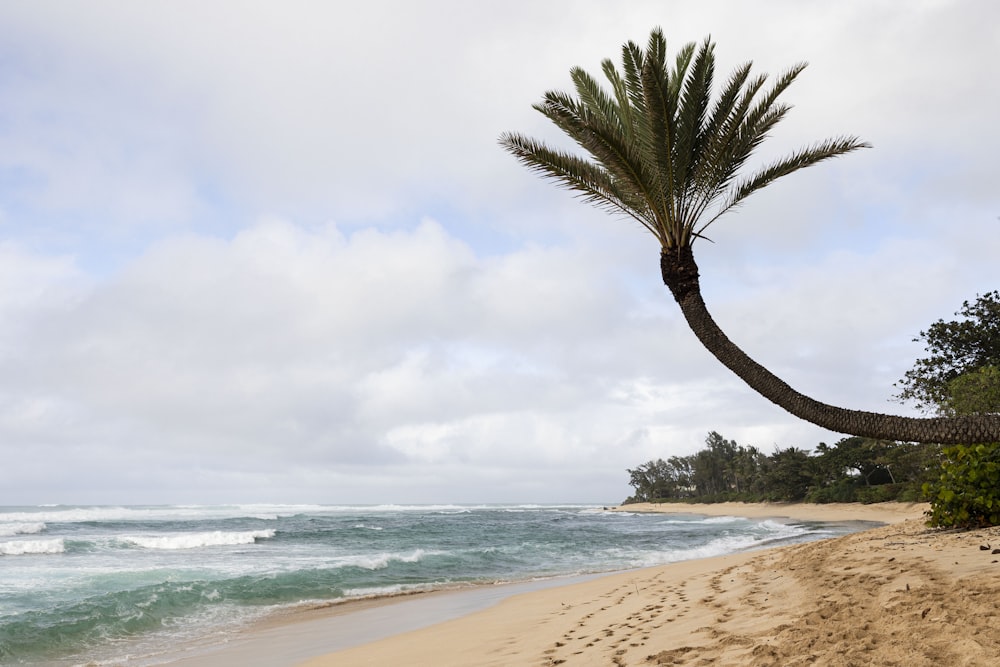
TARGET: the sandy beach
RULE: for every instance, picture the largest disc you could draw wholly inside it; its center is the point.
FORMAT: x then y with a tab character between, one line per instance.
899	594
878	512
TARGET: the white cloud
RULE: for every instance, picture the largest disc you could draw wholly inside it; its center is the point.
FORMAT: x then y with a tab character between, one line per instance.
338	348
179	317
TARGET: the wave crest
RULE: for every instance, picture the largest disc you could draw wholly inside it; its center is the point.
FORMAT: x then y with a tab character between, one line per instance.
216	538
21	528
380	561
55	545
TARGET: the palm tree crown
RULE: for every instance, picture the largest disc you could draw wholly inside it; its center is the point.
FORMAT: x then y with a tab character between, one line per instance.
660	151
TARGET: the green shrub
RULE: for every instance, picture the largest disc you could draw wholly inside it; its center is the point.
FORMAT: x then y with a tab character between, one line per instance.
967	494
912	493
841	491
885	493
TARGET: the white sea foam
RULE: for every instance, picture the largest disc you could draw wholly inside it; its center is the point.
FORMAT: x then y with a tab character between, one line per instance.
780	532
196	540
463	508
698	523
780	527
696	520
21	528
416	508
54	545
363	526
387	591
67	514
380	561
717	547
721	519
774	531
761	534
268	512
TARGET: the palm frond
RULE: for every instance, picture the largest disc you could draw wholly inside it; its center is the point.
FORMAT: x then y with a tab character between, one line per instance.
657	137
598	139
633	61
620	88
692	110
595	99
589	181
715	132
720	166
801	159
682	63
758	121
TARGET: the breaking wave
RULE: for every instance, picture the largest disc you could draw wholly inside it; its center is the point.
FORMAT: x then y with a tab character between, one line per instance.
216	538
55	545
21	528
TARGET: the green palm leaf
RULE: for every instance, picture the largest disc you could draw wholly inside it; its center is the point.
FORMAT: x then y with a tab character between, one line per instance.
656	147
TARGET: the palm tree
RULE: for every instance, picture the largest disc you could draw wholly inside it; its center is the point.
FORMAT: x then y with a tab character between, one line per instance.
662	152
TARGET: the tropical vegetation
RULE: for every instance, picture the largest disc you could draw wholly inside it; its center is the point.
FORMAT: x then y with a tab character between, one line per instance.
659	150
961	375
855	469
961	372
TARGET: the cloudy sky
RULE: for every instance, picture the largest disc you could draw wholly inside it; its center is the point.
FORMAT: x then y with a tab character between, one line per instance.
271	252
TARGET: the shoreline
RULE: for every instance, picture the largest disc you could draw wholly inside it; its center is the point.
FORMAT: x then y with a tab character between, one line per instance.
460	627
298	635
899	594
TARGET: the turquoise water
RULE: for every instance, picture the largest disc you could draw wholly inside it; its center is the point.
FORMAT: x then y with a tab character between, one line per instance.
125	585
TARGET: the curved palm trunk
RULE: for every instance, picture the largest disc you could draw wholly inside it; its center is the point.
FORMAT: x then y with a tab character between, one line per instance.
680	274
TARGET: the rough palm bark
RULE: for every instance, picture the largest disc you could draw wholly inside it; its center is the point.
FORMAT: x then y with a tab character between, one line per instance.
680	274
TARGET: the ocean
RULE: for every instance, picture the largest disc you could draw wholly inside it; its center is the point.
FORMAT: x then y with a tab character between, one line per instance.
130	585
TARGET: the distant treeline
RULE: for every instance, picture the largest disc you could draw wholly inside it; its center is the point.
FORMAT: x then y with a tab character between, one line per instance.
852	470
